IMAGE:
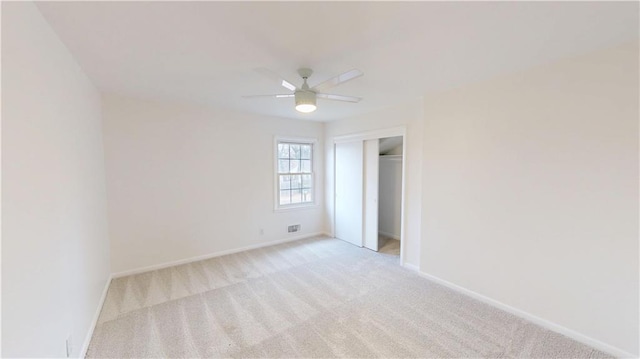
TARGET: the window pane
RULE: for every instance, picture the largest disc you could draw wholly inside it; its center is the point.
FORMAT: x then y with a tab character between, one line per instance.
285	197
283	166
285	182
296	196
307	195
306	181
283	150
295	166
305	166
296	181
294	151
305	152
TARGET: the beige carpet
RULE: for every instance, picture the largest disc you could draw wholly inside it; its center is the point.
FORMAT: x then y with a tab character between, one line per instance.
319	298
389	246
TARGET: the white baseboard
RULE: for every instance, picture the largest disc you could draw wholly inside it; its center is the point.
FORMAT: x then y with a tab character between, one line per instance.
619	353
94	321
212	255
390	235
413	267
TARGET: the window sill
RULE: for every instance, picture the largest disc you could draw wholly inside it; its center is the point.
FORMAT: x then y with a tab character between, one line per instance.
296	207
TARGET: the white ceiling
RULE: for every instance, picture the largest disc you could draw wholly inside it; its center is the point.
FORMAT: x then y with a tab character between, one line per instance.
206	52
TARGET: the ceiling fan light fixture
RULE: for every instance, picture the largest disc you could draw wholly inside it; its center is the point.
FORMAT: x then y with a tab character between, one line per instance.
305	101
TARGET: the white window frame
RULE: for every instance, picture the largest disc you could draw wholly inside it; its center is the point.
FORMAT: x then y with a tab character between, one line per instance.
276	178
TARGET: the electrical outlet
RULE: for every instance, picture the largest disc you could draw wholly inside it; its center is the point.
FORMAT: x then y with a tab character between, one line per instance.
293	228
69	346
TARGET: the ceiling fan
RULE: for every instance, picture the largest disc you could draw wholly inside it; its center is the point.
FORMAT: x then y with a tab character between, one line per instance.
306	96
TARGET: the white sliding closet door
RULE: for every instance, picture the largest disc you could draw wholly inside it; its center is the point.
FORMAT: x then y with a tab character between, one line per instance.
349	192
371	165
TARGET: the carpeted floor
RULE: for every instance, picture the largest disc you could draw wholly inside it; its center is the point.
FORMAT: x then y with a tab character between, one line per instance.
319	298
389	246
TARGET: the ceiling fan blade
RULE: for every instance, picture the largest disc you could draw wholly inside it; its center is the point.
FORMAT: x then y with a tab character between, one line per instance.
272	96
274	76
340	79
339	97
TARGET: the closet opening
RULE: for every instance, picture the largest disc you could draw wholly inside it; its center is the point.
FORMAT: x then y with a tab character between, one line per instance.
390	159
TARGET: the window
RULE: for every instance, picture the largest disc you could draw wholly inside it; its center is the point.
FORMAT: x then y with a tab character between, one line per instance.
294	161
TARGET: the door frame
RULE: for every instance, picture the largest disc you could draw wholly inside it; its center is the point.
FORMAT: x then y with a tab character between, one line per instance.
372	135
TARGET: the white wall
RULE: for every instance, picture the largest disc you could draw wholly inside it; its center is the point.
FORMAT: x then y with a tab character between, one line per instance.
55	252
390	196
186	180
530	190
411	116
